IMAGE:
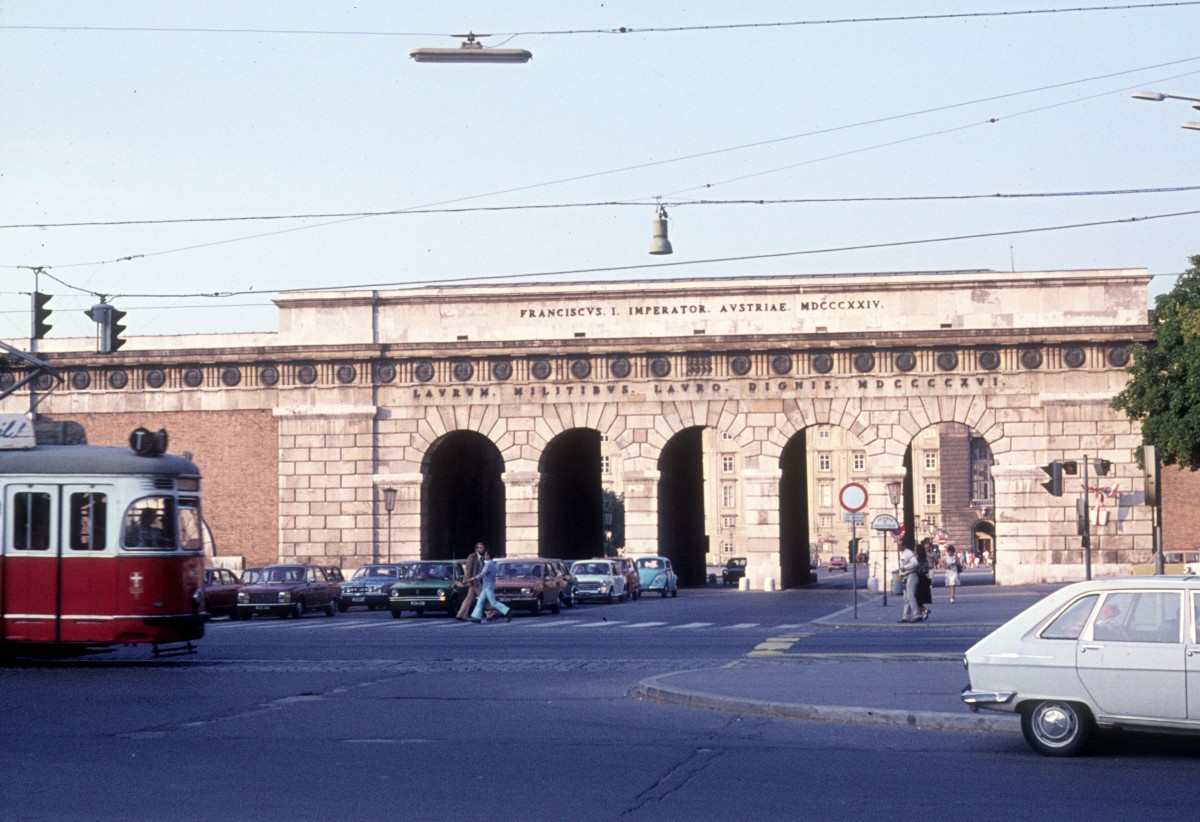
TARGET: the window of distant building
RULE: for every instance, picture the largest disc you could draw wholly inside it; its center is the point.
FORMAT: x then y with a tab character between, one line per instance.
823	433
606	465
727	464
931	493
824	461
860	461
826	495
726	496
826	521
931	460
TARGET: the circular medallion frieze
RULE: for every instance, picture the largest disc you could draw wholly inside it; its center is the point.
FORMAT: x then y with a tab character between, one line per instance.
156	378
1074	356
6	380
619	367
346	374
947	360
385	372
864	362
43	382
423	371
231	376
306	374
80	380
1031	358
822	363
268	375
739	364
781	364
660	367
1118	356
581	369
118	378
193	378
541	369
502	370
989	359
463	370
906	361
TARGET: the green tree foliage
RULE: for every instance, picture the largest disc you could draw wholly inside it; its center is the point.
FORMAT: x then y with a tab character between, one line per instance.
1163	392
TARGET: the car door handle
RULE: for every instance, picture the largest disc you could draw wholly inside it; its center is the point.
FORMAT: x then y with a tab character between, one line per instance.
1086	648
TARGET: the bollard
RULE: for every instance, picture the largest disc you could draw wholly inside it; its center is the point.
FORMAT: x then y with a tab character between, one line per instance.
769	584
743	584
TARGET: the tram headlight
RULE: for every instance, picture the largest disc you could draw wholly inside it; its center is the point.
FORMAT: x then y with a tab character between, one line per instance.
285	596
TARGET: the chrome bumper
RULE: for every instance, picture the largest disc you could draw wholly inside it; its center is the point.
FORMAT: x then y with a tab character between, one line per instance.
986	699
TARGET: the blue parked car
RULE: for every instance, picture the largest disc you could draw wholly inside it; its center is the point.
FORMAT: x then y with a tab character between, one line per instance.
656	574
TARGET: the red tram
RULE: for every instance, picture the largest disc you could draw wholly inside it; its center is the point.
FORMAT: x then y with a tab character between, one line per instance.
100	546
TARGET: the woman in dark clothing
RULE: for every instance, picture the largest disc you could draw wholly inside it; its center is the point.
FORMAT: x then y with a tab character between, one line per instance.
924	586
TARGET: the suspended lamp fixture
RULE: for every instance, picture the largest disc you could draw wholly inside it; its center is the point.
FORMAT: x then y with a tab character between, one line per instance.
659	244
470	51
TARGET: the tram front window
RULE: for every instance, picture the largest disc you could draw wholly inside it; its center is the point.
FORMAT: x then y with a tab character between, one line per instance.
190	536
149	523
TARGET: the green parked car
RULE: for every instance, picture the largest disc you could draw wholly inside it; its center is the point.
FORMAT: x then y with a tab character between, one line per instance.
428	586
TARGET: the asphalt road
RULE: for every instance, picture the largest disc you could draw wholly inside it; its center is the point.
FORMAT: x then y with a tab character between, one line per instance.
365	717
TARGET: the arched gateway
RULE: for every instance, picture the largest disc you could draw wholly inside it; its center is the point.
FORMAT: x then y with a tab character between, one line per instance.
498	413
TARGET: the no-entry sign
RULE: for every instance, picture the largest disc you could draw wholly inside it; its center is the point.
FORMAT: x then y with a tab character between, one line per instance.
853	497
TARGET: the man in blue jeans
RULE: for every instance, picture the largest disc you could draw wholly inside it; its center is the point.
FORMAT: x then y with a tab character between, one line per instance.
488	595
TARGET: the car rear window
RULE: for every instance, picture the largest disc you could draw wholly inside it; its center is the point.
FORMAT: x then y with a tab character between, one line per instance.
1069	624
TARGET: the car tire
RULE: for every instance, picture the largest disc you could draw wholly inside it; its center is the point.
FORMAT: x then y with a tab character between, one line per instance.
674	592
1056	728
331	608
536	610
396	613
297	610
611	598
556	608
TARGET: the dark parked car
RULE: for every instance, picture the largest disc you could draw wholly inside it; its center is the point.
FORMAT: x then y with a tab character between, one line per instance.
529	583
289	590
369	587
428	586
633	581
734	571
221	588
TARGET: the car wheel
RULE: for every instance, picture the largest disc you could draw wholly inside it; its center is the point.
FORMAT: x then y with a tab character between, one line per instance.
396	613
537	606
331	608
557	606
611	598
297	610
675	591
1054	728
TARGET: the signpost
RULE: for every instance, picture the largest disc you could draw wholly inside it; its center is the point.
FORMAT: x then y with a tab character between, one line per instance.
853	498
885	524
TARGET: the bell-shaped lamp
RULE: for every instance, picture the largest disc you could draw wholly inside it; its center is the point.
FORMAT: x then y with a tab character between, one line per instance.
659	244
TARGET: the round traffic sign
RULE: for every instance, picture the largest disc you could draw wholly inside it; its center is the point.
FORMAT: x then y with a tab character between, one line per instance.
853	497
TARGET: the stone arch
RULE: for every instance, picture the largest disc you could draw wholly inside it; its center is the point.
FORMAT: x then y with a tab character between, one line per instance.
570	496
462	496
681	505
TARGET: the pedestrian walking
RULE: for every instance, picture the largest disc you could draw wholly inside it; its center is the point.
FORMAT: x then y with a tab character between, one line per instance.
924	592
953	569
470	577
487	594
908	576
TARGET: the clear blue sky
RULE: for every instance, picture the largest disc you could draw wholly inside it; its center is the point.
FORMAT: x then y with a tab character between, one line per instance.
212	110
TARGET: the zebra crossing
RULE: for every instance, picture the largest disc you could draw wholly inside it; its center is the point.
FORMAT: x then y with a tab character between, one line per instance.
350	624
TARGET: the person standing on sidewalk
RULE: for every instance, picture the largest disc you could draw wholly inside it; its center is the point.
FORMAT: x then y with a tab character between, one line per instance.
924	583
470	576
953	569
908	576
487	596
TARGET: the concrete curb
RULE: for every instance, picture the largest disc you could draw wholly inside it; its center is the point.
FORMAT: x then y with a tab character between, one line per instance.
654	689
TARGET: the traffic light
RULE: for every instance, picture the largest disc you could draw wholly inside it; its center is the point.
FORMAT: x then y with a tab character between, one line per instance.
1102	466
108	327
1150	461
1055	485
40	314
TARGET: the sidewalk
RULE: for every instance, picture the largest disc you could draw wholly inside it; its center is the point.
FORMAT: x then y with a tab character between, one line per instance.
906	688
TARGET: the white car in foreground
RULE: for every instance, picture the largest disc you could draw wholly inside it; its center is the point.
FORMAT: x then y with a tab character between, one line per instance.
1100	655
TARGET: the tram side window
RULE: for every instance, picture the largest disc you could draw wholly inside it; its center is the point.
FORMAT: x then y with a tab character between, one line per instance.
89	518
149	523
31	521
190	535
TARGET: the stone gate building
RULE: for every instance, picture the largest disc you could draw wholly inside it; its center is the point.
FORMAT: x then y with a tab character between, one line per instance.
484	409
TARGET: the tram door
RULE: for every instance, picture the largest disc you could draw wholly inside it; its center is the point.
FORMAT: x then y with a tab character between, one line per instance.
56	584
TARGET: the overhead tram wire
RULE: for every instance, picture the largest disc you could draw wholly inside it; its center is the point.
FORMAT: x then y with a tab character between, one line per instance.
657	265
620	29
639	203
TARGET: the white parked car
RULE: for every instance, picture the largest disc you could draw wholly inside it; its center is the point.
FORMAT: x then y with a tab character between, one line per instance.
598	579
1099	655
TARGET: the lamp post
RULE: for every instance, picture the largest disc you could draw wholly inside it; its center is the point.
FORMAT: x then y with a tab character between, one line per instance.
1158	97
389	502
895	490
